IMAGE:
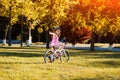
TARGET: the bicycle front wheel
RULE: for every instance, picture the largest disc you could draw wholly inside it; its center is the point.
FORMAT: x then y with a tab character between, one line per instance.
48	56
65	56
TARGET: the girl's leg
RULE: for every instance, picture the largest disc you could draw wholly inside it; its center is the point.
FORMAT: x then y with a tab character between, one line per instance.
51	55
61	46
53	48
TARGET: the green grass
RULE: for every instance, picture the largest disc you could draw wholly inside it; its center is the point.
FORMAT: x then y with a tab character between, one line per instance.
27	64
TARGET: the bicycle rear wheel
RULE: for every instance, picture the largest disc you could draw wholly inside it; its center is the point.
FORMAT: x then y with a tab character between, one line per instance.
48	56
65	56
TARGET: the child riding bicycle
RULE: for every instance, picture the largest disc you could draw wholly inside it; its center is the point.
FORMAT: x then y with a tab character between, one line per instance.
55	40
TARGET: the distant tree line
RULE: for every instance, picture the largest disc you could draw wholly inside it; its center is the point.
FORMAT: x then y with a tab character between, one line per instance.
81	21
70	36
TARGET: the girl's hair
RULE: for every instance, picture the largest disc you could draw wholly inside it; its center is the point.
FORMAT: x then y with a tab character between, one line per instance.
57	28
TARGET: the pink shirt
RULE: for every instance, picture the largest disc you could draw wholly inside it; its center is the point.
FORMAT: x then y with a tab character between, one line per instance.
54	40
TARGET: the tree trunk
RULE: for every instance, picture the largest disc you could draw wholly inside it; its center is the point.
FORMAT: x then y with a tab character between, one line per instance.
10	27
38	37
47	39
111	42
92	41
21	35
29	37
9	35
5	35
99	38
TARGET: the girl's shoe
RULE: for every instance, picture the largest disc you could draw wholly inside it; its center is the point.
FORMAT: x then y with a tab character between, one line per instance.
51	58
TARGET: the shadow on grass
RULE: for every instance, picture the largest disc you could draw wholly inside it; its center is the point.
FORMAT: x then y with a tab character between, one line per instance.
113	64
96	54
30	47
16	54
22	62
99	78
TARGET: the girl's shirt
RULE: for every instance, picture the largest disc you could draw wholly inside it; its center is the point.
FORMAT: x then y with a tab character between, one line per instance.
55	39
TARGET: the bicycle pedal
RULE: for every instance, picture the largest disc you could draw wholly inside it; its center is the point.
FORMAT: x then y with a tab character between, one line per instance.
57	57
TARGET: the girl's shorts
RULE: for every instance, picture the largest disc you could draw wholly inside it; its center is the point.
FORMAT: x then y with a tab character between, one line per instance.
54	44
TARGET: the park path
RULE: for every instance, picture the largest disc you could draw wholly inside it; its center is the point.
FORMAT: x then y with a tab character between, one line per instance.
78	46
87	47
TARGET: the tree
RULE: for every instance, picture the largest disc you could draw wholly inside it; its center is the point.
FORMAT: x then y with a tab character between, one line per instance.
54	12
28	9
4	22
14	8
98	15
112	13
5	10
75	34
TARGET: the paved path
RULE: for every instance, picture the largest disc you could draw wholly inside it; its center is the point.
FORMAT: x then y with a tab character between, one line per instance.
98	49
87	47
80	47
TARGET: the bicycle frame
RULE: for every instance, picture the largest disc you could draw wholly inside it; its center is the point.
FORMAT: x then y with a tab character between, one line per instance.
60	53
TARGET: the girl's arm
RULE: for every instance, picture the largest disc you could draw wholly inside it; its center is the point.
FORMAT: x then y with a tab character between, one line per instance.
51	33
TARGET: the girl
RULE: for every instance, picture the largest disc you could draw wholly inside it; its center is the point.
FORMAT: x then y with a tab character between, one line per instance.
55	42
55	38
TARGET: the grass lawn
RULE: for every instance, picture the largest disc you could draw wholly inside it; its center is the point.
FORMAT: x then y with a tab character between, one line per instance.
27	64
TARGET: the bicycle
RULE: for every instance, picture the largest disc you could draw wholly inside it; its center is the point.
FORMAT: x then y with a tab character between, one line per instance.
62	54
